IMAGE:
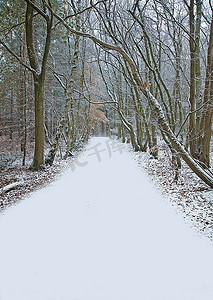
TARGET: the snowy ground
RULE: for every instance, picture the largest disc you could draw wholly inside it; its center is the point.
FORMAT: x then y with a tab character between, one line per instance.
189	194
102	232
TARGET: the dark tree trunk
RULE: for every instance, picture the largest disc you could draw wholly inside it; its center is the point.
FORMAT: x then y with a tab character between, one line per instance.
192	141
39	79
206	117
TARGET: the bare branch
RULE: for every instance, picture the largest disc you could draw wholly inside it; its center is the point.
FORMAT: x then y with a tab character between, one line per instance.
186	3
211	5
191	112
76	13
173	18
45	16
92	102
16	25
18	58
60	81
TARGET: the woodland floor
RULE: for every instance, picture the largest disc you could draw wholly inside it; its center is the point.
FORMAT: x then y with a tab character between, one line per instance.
189	195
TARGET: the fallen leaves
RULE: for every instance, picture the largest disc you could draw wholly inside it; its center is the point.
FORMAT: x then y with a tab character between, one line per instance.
32	182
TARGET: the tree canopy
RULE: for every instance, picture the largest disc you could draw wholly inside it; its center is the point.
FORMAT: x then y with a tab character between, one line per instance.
139	70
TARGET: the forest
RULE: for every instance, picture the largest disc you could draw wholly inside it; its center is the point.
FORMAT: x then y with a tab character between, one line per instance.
106	149
140	71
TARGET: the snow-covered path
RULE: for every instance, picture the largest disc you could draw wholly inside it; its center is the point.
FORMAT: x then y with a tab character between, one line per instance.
101	232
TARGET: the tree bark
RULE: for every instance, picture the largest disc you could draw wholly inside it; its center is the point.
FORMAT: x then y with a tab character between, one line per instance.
39	79
198	88
206	117
52	153
38	159
192	140
23	101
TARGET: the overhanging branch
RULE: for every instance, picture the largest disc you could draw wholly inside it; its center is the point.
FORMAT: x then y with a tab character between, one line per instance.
16	56
38	10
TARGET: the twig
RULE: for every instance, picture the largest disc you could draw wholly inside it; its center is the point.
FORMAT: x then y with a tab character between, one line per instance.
16	56
191	112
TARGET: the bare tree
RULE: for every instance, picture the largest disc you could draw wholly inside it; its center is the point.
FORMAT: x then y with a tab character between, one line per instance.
39	71
207	111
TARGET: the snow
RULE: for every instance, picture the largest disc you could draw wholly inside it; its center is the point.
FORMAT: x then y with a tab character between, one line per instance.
11	186
102	232
189	195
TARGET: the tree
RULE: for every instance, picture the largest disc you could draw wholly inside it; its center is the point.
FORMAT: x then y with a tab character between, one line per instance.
207	111
39	71
145	67
195	86
153	102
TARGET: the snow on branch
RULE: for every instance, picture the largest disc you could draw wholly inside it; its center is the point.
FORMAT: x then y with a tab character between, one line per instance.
11	186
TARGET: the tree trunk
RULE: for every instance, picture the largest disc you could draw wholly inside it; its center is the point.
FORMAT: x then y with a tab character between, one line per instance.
129	127
11	115
70	102
38	159
23	101
192	140
206	117
39	79
139	110
198	76
51	155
